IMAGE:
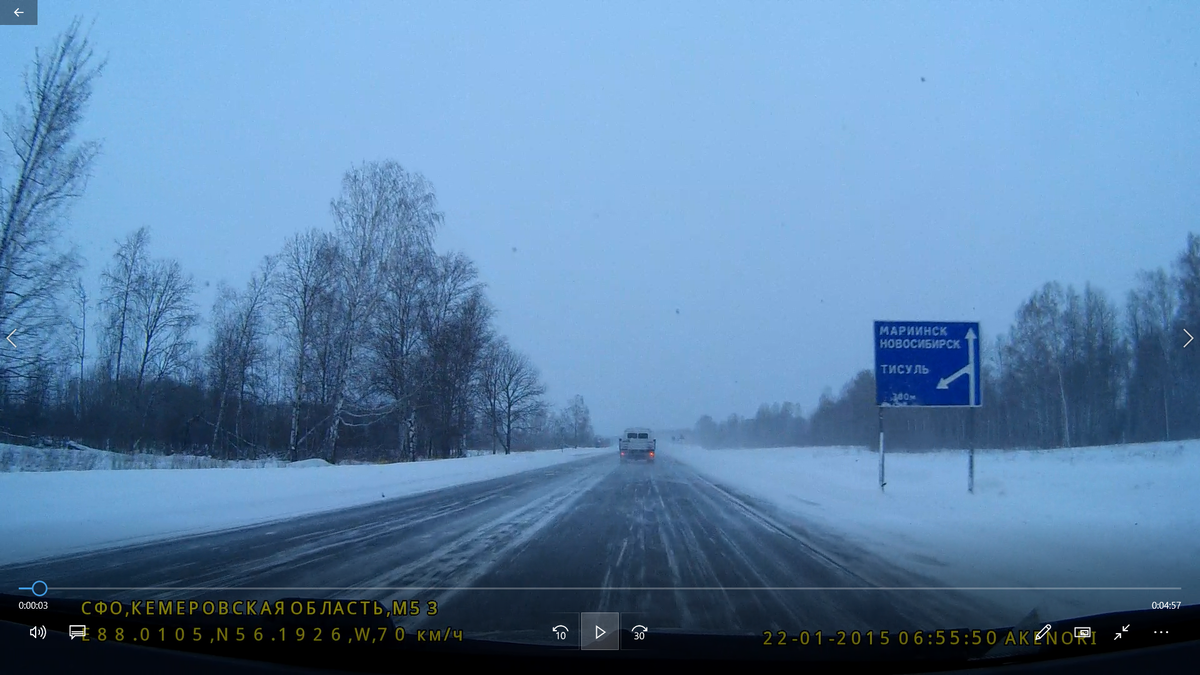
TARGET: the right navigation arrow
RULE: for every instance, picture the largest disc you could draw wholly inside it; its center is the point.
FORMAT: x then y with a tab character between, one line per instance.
600	632
1190	338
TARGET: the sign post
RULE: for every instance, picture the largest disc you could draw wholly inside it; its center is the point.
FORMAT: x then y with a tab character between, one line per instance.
971	451
881	480
928	364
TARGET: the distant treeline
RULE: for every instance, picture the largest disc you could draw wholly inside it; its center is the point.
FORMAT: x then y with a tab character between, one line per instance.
1075	369
358	341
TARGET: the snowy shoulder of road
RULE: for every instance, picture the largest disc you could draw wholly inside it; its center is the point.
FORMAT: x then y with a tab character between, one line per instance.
50	513
76	457
1107	517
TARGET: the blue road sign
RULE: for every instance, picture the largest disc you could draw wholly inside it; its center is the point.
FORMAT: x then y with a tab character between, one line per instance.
927	364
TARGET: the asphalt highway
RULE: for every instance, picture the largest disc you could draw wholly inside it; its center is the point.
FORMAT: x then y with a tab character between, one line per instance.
511	558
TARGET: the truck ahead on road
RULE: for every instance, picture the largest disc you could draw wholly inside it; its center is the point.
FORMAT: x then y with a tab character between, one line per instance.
637	444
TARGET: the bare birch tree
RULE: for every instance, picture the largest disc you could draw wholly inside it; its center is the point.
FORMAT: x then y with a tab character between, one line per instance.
221	353
43	171
398	342
488	389
119	282
166	316
381	208
79	321
520	394
304	275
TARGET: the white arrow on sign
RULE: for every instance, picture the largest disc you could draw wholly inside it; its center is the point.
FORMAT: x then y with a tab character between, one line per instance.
968	370
18	12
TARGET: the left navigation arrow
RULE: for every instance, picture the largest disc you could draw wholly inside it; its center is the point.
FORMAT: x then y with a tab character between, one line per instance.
9	338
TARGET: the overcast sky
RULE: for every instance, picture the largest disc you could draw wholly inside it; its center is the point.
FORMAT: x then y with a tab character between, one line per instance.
681	208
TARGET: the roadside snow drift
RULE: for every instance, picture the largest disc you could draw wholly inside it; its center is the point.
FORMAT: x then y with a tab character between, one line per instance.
63	512
75	457
1102	517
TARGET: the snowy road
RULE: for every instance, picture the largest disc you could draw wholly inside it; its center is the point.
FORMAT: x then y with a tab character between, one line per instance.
517	555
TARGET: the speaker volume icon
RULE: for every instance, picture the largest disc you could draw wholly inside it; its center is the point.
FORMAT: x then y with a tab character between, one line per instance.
38	632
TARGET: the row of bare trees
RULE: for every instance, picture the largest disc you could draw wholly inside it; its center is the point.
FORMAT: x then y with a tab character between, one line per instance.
1075	369
362	340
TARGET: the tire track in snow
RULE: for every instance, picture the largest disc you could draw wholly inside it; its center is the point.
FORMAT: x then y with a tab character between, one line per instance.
320	555
325	548
935	608
462	561
667	525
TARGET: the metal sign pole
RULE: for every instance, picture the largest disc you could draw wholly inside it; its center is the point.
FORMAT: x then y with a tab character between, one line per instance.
881	481
971	450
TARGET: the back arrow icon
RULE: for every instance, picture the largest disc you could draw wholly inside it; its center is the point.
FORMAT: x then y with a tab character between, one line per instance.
9	338
18	12
1190	338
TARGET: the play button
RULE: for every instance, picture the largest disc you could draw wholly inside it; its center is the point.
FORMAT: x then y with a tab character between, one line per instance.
605	626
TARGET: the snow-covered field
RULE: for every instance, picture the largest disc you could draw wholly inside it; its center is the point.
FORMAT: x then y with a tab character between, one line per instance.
63	512
1117	516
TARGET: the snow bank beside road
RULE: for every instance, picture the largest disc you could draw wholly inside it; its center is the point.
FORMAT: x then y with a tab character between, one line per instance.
1114	516
63	512
18	458
76	457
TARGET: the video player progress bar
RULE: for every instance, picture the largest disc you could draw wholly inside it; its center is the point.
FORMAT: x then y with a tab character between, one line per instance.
618	588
